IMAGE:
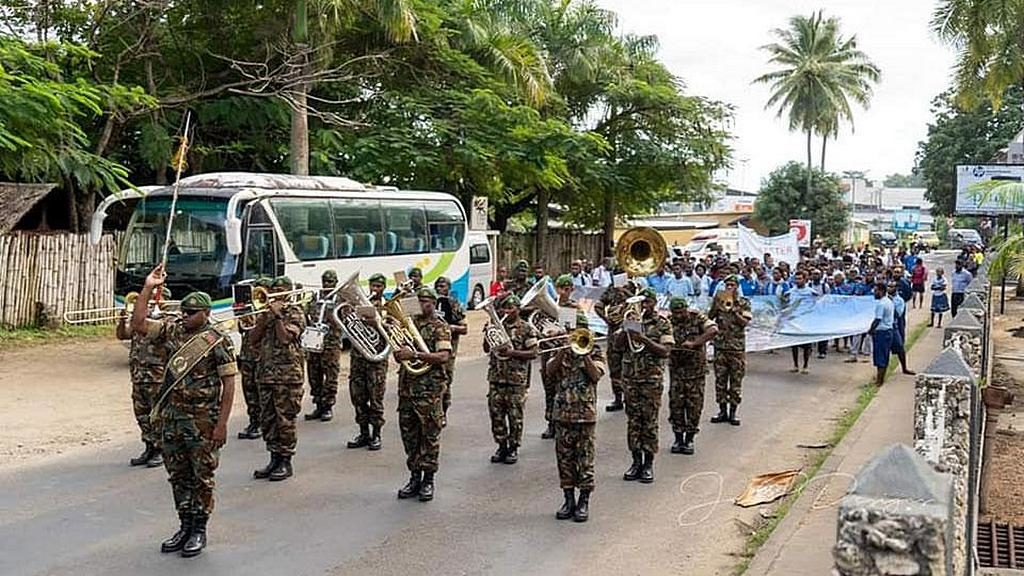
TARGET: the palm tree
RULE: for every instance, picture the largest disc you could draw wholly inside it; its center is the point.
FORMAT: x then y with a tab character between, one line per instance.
820	73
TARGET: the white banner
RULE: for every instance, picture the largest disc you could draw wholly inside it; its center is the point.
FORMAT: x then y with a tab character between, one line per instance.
803	232
783	248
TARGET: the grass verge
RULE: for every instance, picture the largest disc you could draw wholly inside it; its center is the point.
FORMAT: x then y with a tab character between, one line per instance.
20	337
843	425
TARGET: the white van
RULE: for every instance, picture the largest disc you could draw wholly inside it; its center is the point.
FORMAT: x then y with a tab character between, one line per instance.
481	266
711	241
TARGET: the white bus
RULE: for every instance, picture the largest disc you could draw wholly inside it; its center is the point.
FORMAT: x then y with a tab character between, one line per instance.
232	227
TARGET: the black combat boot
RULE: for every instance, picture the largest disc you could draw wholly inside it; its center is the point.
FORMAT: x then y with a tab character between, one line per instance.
513	454
722	416
156	459
197	540
374	443
327	414
616	404
647	471
251	432
634	470
143	458
316	414
549	433
412	488
688	443
582	512
177	542
569	506
427	487
283	470
362	439
677	447
500	454
732	415
264	472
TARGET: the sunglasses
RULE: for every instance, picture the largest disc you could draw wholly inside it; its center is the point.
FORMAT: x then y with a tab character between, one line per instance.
191	312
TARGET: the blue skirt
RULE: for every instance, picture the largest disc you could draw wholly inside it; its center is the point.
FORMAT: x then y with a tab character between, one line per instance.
940	302
881	348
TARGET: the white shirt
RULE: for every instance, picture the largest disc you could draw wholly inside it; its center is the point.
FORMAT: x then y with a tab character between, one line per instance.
583	279
602	277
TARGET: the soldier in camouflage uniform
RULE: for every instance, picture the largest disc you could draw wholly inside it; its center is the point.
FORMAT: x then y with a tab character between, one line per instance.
192	409
644	373
280	377
575	412
730	350
146	363
507	378
323	368
691	329
366	383
248	361
520	282
456	320
614	298
563	286
420	413
416	277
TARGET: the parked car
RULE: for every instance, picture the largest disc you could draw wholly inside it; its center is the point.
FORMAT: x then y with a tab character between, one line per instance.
961	237
882	238
926	240
481	268
724	240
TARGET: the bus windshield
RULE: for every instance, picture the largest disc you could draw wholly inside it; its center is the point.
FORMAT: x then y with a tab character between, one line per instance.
198	244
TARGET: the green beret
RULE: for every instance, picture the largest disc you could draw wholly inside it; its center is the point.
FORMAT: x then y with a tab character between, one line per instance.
329	276
442	280
281	282
378	278
196	301
165	293
581	319
426	292
563	280
649	293
415	271
522	265
732	278
263	282
678	303
510	300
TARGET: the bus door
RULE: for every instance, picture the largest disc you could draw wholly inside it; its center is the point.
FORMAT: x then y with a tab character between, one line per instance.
262	255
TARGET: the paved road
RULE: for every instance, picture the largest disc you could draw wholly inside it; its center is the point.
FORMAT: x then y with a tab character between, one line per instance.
339	515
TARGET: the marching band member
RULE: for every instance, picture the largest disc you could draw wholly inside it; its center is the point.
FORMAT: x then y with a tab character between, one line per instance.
507	378
193	407
575	415
366	383
692	330
280	379
564	288
612	298
416	277
519	284
455	317
248	362
420	412
730	349
323	368
644	372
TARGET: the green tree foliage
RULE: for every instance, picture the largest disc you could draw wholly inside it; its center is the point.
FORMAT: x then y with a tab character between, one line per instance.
914	180
958	136
783	195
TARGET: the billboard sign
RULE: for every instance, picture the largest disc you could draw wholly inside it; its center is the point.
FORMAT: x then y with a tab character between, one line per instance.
803	232
969	176
906	219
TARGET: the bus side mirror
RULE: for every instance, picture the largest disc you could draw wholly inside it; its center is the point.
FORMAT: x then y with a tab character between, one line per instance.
233	226
96	228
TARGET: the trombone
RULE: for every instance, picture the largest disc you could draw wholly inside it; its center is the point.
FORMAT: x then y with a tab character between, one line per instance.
113	313
261	297
581	341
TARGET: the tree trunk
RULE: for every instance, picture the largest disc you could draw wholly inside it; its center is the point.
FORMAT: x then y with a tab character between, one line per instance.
543	199
69	188
299	144
824	141
609	222
810	162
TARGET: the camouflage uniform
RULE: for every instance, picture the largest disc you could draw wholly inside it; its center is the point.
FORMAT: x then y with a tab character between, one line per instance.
146	362
687	370
575	414
518	286
644	374
248	360
366	384
508	385
323	368
730	350
550	386
458	318
188	416
280	382
420	413
613	296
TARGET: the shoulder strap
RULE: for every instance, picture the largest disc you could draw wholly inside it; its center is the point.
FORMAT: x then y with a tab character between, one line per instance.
184	360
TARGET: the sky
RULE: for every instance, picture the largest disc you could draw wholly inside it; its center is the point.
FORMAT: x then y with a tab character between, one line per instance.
713	45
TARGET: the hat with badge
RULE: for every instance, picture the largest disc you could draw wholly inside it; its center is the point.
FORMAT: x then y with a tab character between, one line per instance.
378	278
415	271
442	280
196	302
329	276
425	293
735	279
523	265
678	303
563	281
281	282
510	300
649	293
263	281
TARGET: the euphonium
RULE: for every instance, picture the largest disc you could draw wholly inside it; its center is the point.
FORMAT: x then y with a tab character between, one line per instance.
367	337
542	307
401	332
495	335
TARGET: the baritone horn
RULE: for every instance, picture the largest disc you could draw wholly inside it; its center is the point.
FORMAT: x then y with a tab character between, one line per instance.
401	332
495	335
366	336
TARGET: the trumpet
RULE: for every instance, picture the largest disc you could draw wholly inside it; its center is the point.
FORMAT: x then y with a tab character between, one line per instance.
581	341
112	313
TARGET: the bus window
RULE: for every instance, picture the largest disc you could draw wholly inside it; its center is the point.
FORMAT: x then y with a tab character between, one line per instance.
405	229
357	227
306	224
447	227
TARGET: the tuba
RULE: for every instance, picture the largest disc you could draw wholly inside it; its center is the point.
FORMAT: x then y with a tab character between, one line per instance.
543	308
401	332
368	337
640	251
495	335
